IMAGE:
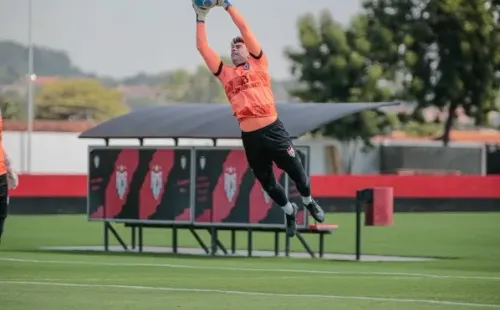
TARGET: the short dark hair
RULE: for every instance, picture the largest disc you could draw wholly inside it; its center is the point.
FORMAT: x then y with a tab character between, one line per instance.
238	40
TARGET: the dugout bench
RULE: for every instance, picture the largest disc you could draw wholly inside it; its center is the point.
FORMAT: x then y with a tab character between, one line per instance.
137	236
137	185
176	188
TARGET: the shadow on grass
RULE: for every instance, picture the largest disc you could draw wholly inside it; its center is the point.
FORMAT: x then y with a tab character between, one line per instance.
150	255
186	256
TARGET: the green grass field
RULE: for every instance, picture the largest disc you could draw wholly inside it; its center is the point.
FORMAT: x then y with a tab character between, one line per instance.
465	275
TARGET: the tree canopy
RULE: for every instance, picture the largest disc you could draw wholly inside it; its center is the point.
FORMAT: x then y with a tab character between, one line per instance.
334	64
446	51
79	99
441	53
200	86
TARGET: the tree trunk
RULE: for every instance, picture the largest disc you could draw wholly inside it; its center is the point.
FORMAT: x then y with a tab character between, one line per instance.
449	123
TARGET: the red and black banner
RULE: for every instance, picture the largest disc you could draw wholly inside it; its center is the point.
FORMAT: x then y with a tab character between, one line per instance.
228	193
156	184
157	187
139	184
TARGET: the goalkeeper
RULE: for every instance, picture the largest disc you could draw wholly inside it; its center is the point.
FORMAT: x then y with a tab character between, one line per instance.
247	85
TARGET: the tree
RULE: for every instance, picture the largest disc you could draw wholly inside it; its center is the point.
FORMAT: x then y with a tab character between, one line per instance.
200	87
11	105
447	50
177	86
402	42
79	98
334	64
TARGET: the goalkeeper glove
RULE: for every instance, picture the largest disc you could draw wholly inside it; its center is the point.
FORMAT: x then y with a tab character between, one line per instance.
224	3
201	13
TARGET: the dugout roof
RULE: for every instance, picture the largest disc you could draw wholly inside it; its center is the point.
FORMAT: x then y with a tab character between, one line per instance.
215	121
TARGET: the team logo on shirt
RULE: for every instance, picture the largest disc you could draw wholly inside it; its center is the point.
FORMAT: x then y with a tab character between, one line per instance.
290	151
246	66
121	180
230	183
252	79
156	176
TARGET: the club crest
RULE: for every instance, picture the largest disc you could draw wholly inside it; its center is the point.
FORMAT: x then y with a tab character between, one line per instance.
266	195
96	161
183	162
203	161
246	66
230	183
121	180
156	176
290	151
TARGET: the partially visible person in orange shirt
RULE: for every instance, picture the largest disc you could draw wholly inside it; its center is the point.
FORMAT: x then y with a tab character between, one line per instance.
248	87
8	180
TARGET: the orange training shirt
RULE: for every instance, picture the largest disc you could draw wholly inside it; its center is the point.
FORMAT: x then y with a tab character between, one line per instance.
248	88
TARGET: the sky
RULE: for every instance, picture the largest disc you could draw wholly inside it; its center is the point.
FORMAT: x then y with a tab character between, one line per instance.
120	38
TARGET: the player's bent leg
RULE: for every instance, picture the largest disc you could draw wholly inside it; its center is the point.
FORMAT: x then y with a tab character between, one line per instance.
260	153
289	161
278	195
283	153
293	167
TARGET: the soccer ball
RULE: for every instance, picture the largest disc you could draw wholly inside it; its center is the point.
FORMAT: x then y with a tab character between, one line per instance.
205	4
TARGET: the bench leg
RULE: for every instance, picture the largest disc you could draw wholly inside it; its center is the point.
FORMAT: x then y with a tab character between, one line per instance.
221	246
276	243
132	245
218	242
305	245
140	239
287	246
200	242
214	240
233	241
106	237
174	239
321	244
117	236
250	246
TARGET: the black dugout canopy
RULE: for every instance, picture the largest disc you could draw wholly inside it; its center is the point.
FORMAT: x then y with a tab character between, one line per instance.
215	121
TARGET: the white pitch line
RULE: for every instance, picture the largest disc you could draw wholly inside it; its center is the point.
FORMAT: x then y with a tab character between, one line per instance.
270	278
320	272
317	296
19	279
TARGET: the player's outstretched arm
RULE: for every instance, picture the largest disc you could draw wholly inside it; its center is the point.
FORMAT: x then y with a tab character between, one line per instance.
212	59
251	42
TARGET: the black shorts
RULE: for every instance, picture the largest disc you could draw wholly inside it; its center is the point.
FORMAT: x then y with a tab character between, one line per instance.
267	145
4	195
